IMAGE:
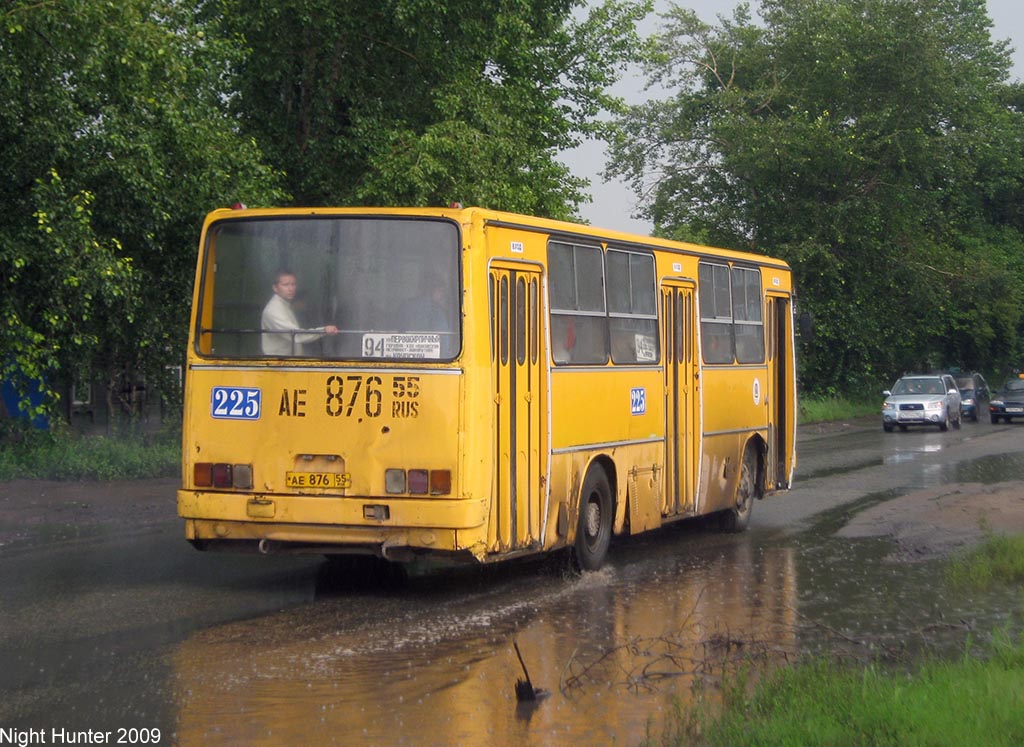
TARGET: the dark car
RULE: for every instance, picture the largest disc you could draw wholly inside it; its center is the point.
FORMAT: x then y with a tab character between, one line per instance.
974	395
931	399
1008	402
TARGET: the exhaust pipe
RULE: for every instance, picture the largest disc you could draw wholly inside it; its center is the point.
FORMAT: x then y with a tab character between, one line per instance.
265	546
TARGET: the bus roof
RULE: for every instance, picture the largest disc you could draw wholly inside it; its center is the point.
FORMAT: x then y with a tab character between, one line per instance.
470	215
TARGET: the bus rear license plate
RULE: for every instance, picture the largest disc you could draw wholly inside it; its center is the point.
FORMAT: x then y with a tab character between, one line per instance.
317	480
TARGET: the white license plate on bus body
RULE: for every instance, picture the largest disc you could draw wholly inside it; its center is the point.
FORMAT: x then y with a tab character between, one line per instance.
317	479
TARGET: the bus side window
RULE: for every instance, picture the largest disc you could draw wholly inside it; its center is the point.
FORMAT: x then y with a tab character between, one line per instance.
632	307
576	289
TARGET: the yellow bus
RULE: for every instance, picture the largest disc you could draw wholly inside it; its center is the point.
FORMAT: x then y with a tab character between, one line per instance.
471	384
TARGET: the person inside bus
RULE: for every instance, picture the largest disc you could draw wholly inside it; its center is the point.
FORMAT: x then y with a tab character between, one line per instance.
282	333
563	337
429	311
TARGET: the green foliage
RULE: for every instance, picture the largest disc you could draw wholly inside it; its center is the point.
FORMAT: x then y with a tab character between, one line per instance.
116	142
64	456
817	408
122	124
875	145
971	701
998	560
411	102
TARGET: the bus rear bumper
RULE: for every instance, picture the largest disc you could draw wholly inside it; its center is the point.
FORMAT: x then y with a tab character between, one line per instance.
311	524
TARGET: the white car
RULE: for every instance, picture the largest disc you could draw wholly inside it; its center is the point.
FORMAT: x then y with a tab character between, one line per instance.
927	399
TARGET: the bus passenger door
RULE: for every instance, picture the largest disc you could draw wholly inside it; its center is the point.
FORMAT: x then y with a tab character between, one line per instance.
781	428
681	397
516	354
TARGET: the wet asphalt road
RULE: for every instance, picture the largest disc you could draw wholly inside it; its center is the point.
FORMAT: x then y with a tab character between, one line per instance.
122	630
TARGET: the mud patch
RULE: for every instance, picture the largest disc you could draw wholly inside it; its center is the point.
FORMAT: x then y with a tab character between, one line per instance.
33	511
937	521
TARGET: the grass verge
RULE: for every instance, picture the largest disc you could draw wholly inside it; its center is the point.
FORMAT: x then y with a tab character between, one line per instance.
968	701
44	455
818	409
997	560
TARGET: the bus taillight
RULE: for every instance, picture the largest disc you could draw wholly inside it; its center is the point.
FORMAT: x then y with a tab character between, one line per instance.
222	475
418	481
440	482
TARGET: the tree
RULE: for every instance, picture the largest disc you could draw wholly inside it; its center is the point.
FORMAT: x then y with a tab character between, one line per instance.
116	141
123	123
874	144
419	102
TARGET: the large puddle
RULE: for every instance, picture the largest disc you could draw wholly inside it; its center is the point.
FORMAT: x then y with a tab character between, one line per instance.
433	663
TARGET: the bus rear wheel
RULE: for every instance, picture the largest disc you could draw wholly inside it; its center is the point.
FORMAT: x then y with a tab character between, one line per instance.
737	518
594	530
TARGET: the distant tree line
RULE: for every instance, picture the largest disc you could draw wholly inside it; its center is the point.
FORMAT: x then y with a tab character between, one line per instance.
877	145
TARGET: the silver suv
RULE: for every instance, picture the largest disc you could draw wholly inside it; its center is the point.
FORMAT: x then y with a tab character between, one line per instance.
931	399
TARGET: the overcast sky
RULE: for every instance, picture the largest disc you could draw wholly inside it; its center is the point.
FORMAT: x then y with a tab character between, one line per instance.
613	202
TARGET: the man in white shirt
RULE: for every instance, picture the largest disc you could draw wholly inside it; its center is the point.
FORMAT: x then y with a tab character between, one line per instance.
282	333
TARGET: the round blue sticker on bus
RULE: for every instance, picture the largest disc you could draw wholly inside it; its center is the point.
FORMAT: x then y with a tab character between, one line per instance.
638	400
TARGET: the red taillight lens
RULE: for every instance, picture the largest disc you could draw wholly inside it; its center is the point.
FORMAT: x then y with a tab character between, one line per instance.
440	481
202	475
221	475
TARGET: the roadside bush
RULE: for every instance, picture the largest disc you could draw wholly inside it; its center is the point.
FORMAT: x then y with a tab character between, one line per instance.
46	455
816	408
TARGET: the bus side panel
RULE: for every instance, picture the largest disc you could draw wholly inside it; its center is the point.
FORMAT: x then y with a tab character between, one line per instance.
734	408
617	415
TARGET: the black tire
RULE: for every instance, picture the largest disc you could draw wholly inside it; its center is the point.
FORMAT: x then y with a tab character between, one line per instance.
995	419
944	425
887	427
594	528
737	518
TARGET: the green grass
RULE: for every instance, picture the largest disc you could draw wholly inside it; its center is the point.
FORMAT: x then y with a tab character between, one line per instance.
821	408
67	456
969	701
998	560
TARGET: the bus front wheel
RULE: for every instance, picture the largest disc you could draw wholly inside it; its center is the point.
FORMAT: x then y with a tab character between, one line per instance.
594	530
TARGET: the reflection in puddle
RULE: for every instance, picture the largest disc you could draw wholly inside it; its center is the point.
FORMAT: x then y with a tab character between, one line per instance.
434	663
909	454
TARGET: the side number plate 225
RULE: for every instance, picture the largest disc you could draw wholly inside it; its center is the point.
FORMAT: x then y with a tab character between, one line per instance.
236	403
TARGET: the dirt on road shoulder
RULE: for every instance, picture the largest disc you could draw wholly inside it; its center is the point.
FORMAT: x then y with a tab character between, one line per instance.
937	521
50	510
